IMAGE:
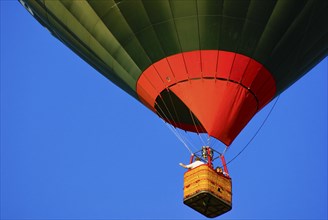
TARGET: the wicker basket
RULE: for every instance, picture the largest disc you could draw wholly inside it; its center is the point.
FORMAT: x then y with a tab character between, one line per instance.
207	191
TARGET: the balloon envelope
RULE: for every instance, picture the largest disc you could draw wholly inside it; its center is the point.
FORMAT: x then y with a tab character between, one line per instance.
203	66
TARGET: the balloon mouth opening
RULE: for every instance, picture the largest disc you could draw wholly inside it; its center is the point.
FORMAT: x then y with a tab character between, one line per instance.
216	95
173	110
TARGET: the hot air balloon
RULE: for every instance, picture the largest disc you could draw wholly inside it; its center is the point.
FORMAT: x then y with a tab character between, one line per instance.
203	66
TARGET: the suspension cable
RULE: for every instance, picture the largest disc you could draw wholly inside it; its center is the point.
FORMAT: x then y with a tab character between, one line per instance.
189	139
195	125
174	131
258	130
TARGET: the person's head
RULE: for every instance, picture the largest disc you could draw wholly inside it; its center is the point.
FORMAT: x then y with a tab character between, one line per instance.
197	159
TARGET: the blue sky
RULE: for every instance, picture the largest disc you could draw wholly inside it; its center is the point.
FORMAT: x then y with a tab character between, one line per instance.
75	146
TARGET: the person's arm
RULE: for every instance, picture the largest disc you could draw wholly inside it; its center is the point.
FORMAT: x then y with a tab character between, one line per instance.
183	165
189	166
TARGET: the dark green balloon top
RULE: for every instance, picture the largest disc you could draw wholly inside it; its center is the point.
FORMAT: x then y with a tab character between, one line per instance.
122	38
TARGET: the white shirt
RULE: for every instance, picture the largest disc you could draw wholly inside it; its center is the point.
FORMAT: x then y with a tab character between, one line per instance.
194	164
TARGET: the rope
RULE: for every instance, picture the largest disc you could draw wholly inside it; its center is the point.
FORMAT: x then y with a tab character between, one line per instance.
195	125
189	139
182	138
174	131
258	130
